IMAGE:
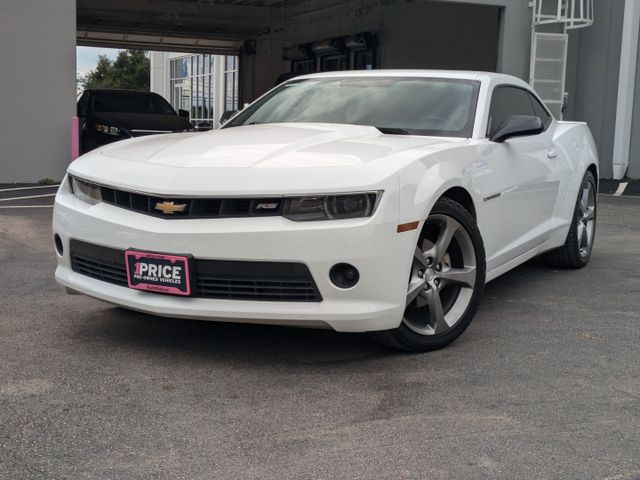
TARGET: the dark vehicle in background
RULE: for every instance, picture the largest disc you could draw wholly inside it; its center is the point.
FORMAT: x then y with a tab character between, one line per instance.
107	116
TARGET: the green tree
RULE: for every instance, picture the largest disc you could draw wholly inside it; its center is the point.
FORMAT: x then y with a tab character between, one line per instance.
130	70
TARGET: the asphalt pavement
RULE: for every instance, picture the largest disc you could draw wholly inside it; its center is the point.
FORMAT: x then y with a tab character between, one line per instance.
545	383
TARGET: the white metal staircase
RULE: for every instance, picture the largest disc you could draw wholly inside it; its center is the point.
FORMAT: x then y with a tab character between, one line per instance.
549	50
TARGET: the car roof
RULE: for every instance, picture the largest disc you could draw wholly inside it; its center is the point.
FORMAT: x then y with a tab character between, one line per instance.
496	78
116	90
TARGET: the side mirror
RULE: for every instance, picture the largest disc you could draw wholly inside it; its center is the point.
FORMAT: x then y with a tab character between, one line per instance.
517	126
227	115
184	113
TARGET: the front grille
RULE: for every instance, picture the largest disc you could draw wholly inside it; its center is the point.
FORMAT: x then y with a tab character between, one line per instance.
193	207
222	279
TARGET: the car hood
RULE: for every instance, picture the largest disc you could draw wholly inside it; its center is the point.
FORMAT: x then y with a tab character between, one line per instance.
267	158
143	121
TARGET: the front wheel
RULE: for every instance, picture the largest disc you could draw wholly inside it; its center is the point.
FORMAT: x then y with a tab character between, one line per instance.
445	283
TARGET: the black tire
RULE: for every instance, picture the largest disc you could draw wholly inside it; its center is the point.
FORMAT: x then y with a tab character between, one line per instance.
569	255
403	337
84	146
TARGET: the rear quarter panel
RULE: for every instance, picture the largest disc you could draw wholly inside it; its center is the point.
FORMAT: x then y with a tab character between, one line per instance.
574	141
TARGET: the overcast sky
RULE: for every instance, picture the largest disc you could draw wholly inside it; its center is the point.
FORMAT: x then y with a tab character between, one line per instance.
87	57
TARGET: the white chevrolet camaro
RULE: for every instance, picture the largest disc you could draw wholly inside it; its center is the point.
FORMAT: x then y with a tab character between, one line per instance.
378	201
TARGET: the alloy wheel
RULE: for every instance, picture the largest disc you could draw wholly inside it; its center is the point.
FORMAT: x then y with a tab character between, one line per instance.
443	277
586	219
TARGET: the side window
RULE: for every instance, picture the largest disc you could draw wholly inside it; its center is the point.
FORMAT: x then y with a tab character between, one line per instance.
507	101
540	111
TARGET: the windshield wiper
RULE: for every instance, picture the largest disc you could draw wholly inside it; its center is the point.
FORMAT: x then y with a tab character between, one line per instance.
393	131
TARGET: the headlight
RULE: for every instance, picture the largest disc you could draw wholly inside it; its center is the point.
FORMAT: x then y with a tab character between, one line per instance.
115	131
85	191
331	207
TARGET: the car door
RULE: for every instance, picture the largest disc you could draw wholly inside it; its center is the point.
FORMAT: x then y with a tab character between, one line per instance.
518	183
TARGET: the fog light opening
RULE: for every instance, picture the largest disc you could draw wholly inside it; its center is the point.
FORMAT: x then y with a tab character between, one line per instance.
57	241
343	275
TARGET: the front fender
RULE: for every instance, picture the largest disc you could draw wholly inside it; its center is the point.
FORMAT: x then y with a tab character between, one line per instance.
423	183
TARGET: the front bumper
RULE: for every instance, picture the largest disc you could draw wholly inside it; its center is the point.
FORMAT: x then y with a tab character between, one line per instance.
381	255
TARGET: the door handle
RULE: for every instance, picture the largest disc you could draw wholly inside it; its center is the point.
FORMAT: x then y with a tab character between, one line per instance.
552	153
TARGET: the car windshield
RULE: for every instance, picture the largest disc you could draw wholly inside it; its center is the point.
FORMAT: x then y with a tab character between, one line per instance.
130	102
401	105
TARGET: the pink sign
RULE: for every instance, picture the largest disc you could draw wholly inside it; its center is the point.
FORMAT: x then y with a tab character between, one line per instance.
156	272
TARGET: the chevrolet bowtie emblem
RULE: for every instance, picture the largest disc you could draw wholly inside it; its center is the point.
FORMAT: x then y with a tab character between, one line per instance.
169	208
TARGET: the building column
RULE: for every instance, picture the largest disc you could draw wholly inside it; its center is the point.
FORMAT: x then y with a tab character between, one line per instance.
219	89
626	88
38	85
159	81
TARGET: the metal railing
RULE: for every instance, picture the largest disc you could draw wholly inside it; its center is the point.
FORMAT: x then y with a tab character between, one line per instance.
572	13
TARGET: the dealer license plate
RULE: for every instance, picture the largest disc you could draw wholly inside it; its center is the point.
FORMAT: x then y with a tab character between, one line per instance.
158	272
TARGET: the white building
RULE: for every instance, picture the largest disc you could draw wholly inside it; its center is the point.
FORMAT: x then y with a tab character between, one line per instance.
204	85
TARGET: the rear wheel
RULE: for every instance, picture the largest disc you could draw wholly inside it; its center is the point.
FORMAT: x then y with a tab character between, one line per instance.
576	251
445	284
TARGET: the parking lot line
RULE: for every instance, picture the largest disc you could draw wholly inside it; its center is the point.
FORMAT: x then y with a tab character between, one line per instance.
15	189
621	189
27	197
25	206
